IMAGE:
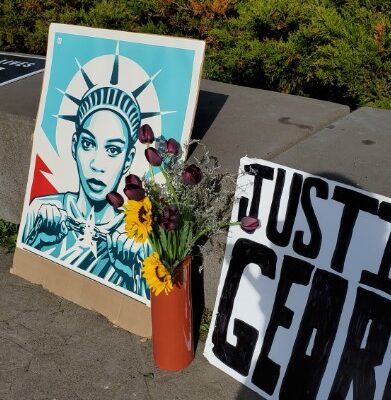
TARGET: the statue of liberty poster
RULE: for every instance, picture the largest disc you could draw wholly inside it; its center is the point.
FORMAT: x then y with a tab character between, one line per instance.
100	86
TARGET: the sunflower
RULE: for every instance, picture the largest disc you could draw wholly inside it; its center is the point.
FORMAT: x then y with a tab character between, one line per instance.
156	275
138	219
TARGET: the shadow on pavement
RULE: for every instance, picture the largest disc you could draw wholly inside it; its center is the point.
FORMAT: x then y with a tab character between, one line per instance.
209	106
197	294
338	178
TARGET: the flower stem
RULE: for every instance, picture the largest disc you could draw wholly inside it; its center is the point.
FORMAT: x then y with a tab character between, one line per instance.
205	231
170	187
153	179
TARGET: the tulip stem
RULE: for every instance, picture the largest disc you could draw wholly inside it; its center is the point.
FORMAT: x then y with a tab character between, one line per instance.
170	187
205	231
153	178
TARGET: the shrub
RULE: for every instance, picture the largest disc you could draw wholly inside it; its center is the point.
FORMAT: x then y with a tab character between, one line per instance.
338	50
8	235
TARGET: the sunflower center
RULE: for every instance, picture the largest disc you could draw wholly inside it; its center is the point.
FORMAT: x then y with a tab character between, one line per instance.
141	213
160	277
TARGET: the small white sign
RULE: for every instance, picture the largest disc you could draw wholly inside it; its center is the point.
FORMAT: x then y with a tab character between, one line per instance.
17	66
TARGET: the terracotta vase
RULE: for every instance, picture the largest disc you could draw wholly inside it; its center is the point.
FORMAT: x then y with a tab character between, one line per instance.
172	323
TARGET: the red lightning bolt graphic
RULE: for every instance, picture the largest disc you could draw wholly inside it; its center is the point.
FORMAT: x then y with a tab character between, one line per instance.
41	186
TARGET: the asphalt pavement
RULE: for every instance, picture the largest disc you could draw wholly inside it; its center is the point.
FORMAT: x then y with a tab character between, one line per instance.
52	349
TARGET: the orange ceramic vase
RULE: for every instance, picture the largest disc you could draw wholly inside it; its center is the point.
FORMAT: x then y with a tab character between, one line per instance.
172	323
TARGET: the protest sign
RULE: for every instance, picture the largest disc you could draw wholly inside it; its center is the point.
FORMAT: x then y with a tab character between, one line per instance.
303	308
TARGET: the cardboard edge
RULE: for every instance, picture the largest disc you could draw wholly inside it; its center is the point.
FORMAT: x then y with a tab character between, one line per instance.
119	309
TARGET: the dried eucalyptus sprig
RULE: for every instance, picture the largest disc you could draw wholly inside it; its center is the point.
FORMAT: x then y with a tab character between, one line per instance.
192	204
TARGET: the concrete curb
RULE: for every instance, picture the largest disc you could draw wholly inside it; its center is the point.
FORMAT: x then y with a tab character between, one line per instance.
232	121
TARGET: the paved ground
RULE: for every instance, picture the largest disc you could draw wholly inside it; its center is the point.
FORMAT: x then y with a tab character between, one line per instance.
53	349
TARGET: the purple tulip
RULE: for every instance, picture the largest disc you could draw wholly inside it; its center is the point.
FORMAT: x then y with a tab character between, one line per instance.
249	224
191	175
153	157
169	218
145	134
115	199
132	179
134	192
172	147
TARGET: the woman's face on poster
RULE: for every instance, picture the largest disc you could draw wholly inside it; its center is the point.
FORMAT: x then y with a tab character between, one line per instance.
101	153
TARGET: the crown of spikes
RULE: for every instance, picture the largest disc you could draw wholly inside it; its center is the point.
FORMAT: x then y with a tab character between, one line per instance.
111	98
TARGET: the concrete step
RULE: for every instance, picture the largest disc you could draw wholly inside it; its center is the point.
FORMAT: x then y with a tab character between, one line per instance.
353	150
232	121
18	109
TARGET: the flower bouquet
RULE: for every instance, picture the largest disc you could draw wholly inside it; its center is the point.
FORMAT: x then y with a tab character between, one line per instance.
173	216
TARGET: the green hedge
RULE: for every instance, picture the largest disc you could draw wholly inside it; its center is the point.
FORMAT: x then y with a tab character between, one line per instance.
8	235
327	49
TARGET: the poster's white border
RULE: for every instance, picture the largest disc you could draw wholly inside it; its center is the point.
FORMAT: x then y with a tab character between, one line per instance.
197	46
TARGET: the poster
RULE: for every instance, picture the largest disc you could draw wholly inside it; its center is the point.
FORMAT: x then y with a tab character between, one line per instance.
99	87
303	308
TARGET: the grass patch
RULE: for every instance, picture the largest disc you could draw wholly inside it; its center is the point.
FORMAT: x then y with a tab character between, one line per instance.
205	323
8	235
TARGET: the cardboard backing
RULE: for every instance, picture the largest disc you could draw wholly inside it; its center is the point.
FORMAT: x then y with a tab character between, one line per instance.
122	310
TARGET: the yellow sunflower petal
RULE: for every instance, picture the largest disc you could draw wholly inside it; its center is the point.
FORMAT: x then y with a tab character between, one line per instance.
156	275
138	219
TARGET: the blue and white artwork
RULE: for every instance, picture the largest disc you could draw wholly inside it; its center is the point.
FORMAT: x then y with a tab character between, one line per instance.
99	87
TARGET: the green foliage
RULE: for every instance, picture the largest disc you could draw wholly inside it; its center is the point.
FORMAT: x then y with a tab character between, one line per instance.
8	235
337	50
206	319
